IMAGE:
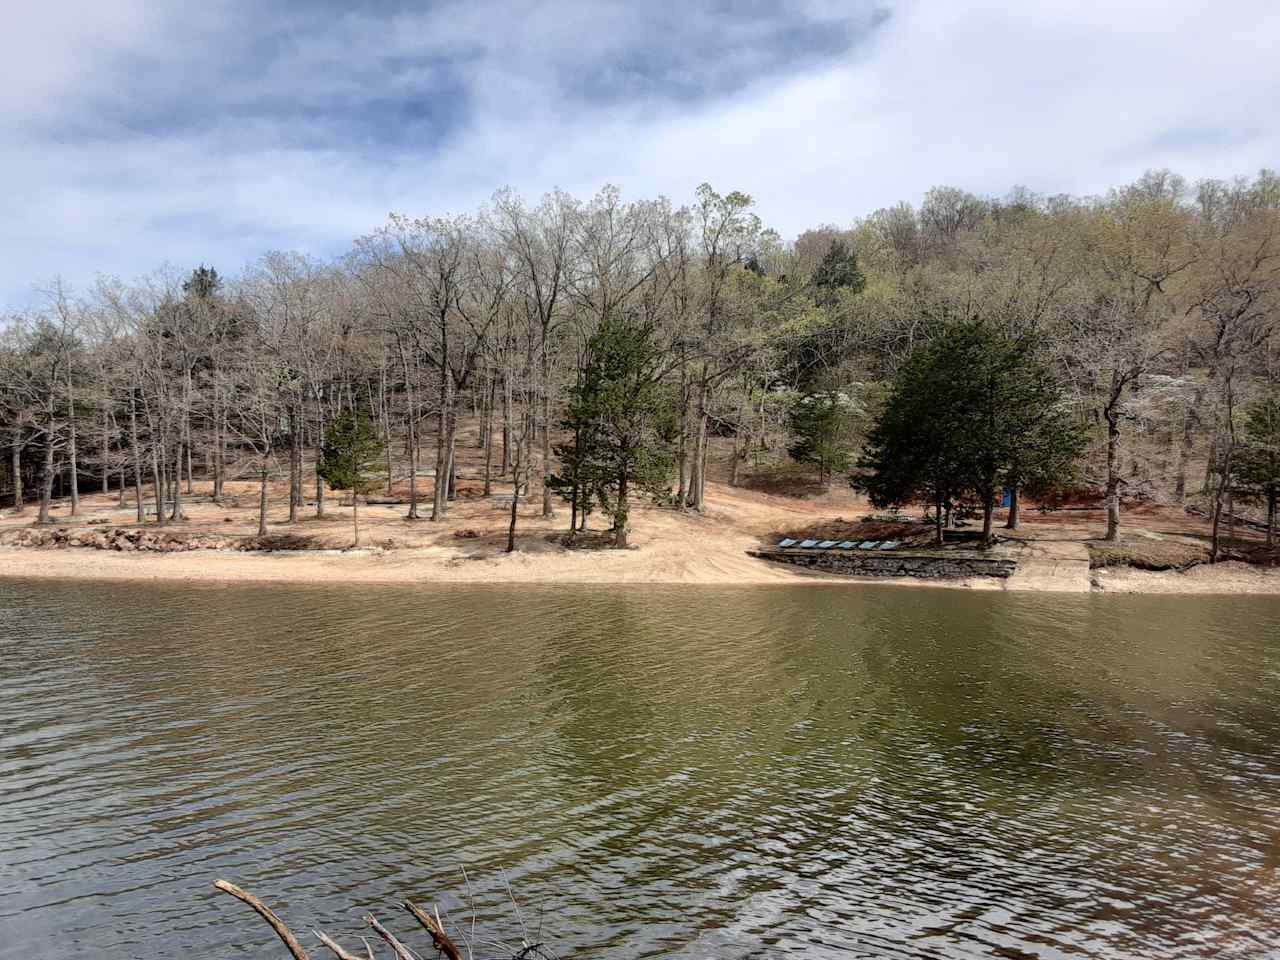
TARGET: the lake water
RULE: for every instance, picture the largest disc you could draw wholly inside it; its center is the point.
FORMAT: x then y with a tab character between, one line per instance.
805	771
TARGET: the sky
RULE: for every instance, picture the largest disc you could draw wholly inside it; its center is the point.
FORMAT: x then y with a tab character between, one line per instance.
138	133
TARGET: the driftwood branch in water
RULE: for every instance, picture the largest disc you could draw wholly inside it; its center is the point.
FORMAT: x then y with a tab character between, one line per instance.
400	950
283	932
337	949
439	938
432	924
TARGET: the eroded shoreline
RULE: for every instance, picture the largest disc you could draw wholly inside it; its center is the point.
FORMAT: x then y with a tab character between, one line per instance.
352	568
668	547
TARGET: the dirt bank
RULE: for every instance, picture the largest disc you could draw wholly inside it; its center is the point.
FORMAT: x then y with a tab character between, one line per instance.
467	547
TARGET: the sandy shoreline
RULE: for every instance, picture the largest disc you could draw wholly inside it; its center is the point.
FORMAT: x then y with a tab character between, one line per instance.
434	566
668	548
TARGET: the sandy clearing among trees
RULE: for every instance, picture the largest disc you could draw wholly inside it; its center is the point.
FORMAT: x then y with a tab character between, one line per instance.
668	547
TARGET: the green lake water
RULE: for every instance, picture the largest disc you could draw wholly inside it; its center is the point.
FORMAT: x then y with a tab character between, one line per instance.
807	771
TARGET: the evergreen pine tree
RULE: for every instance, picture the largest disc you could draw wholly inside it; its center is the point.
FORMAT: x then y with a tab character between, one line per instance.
968	413
838	271
351	459
623	422
822	425
1257	467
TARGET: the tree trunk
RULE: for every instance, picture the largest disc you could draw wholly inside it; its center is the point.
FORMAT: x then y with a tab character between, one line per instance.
1217	517
295	464
1231	517
440	486
262	502
484	415
177	485
384	409
137	456
488	437
15	460
1113	478
938	532
157	486
1015	509
547	512
1271	516
621	515
46	480
515	504
988	509
319	441
1223	491
106	451
506	425
682	449
1208	467
488	463
218	453
411	436
413	472
72	451
698	469
451	489
355	515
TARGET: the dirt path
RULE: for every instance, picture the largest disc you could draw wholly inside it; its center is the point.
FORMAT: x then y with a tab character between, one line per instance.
1050	564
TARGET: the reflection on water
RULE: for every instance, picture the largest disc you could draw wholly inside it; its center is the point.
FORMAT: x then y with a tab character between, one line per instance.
674	772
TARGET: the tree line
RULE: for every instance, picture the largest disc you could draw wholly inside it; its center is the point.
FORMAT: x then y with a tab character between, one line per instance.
600	347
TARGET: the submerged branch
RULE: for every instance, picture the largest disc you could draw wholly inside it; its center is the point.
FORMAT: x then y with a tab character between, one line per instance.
282	931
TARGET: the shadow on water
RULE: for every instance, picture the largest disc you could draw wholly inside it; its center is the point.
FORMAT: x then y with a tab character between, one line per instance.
675	772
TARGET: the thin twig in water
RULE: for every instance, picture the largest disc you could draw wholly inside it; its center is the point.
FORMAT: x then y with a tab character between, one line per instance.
335	947
524	931
466	941
471	901
398	948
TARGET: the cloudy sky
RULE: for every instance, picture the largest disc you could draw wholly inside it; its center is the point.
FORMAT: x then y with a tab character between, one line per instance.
140	132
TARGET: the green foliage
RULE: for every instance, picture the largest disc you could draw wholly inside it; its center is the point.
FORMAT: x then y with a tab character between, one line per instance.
916	449
969	412
203	283
811	331
351	457
623	422
838	271
583	464
823	425
1257	467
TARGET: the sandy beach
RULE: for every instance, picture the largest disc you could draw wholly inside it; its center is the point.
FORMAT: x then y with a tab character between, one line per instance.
667	547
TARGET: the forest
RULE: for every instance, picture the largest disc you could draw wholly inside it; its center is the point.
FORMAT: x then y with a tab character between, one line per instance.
936	353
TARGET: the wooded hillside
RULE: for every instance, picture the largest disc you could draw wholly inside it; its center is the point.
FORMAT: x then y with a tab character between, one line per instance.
602	343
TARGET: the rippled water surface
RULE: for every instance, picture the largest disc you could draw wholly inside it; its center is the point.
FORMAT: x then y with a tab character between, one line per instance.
816	772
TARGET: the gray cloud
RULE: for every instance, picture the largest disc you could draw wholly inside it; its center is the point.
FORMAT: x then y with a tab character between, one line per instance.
149	132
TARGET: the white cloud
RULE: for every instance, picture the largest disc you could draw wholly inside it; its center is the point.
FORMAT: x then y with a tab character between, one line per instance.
985	95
